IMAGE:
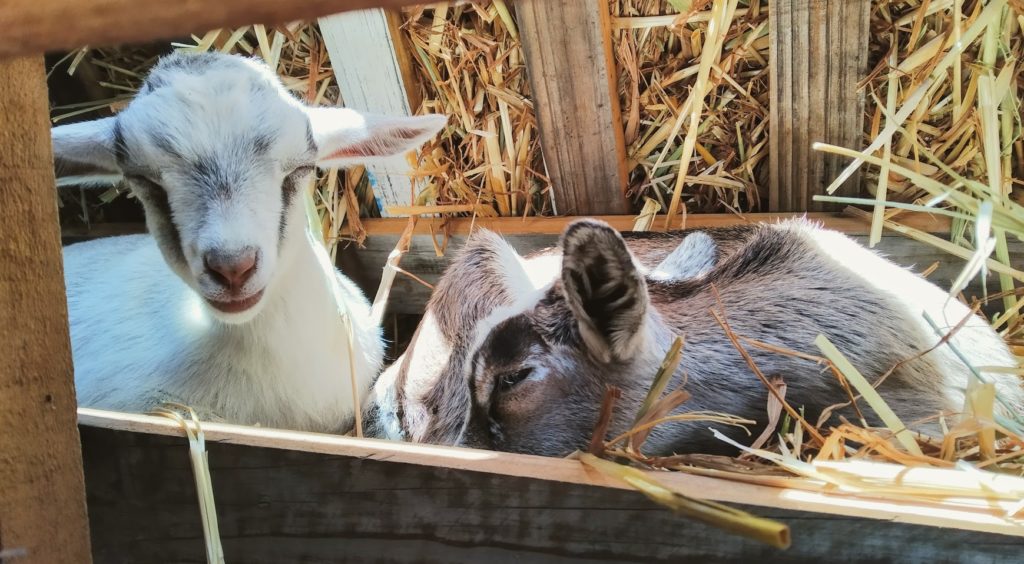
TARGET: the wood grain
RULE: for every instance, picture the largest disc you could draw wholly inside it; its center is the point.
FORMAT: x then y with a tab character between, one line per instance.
980	515
42	492
278	504
37	26
365	58
410	296
818	54
567	46
935	224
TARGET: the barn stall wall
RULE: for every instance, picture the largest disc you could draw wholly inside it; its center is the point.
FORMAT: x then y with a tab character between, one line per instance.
323	498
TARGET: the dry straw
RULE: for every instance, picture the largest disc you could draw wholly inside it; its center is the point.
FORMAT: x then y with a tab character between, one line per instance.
693	85
468	64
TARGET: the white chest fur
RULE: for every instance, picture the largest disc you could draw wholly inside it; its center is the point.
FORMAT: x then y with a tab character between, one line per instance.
147	338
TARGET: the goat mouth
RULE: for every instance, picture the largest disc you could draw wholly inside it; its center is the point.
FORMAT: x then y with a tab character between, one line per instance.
236	306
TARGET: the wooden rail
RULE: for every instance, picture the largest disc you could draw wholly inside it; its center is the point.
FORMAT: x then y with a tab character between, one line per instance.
37	26
42	492
819	51
981	516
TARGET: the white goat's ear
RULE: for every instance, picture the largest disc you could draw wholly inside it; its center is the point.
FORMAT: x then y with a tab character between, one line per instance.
604	288
83	153
345	137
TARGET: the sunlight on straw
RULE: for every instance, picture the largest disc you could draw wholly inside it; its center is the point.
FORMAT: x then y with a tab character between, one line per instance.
870	395
201	472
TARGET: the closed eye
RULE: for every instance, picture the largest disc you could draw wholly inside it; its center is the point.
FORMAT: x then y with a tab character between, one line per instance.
510	379
301	171
290	183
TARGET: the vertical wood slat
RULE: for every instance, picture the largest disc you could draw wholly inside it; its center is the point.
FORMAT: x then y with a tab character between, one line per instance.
567	46
367	60
42	490
819	51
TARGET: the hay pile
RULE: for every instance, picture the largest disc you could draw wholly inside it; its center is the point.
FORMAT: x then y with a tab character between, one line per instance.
659	51
469	65
944	133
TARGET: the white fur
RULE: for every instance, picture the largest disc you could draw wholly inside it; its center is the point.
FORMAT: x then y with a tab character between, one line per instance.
142	327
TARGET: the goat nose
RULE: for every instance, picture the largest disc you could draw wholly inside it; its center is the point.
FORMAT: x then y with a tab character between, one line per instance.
231	269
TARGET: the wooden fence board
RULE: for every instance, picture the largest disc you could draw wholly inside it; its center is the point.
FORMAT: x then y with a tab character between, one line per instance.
42	497
572	74
409	296
37	26
366	63
285	505
819	51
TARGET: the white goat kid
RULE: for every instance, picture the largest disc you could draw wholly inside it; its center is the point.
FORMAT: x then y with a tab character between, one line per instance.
248	330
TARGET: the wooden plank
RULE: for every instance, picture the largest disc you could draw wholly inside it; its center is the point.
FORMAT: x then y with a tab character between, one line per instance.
819	52
34	26
568	52
555	225
976	515
42	491
367	65
409	296
283	505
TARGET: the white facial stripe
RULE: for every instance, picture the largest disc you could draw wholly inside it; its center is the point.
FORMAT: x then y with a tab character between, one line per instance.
527	280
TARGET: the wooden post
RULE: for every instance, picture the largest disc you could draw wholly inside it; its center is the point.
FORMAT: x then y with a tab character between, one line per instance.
367	58
42	491
572	74
819	51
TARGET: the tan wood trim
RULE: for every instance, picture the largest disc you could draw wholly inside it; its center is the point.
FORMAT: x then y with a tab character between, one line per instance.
555	225
959	513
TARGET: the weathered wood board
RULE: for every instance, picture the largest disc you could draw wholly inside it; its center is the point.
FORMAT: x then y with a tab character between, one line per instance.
409	296
366	56
42	497
34	26
277	505
568	53
819	51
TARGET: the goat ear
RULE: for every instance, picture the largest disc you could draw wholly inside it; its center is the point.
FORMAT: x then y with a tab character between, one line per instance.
605	289
345	137
83	153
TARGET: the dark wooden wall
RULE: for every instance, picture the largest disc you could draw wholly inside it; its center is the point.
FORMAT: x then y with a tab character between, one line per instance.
278	506
408	296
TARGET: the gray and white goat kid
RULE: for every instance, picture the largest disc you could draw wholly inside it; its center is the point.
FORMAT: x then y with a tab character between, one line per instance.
227	305
515	354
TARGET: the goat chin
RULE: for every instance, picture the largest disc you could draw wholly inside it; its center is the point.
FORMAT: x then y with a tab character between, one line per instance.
149	338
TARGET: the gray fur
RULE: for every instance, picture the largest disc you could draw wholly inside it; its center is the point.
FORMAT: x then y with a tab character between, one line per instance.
537	370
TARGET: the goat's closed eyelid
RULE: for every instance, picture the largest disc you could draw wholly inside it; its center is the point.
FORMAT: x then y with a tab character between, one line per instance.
301	170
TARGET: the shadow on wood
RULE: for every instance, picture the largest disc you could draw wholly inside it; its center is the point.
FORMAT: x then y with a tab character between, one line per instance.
293	506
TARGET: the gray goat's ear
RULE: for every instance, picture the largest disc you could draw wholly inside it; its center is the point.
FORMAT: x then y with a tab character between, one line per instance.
605	289
345	137
83	153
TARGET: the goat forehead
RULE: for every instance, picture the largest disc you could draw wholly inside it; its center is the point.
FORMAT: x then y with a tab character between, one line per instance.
188	117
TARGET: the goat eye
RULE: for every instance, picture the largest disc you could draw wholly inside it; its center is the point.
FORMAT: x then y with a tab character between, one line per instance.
301	171
290	184
509	380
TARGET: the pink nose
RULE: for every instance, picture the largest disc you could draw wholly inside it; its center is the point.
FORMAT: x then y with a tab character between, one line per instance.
231	269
